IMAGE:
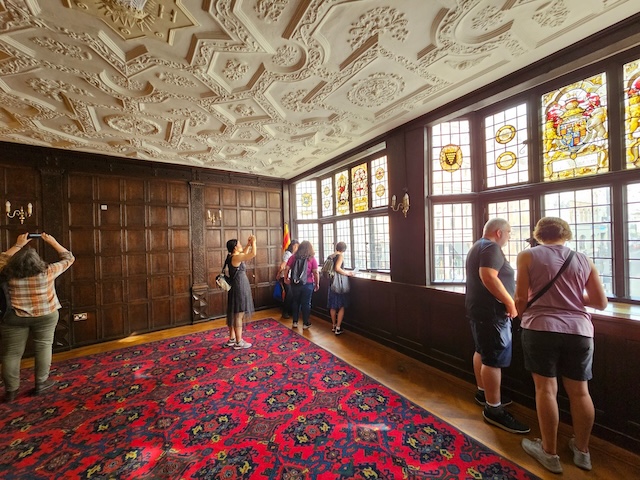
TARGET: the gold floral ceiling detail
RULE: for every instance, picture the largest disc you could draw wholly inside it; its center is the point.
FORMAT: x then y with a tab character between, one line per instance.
265	87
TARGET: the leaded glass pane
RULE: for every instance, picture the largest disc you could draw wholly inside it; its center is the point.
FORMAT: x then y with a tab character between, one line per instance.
343	232
452	238
632	112
328	240
379	183
588	213
575	130
342	192
371	243
360	188
326	187
451	158
307	200
506	148
309	231
518	214
633	238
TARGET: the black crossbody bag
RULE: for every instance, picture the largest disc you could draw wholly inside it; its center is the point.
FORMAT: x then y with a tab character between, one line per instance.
548	285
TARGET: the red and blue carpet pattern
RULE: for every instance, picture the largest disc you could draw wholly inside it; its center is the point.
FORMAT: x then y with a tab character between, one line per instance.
188	408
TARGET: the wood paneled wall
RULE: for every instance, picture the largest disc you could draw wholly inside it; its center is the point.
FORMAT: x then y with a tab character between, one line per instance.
146	255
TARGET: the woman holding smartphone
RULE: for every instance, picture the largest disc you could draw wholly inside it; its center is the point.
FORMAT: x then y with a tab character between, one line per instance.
33	310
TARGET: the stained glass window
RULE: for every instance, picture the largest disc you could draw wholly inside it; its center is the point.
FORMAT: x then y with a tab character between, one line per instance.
342	192
379	183
506	148
451	158
452	238
575	129
588	213
632	112
360	188
307	200
326	188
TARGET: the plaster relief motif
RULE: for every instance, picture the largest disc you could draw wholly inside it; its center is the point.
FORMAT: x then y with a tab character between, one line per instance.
553	16
54	46
235	69
132	125
378	21
299	75
269	10
376	90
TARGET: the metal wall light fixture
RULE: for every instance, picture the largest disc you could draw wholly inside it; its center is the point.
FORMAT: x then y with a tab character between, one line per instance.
20	213
403	207
212	217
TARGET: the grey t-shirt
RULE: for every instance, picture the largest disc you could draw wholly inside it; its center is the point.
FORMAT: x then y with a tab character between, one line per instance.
480	302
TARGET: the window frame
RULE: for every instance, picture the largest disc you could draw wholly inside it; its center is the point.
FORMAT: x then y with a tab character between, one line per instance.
333	219
616	178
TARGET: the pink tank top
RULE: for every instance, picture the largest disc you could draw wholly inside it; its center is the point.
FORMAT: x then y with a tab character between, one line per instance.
561	309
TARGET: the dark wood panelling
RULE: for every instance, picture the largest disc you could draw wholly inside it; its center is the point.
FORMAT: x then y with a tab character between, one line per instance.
146	257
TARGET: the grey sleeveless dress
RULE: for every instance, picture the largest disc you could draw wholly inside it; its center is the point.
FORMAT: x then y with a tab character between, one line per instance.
239	297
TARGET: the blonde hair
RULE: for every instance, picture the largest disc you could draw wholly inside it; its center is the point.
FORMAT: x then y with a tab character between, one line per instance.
551	229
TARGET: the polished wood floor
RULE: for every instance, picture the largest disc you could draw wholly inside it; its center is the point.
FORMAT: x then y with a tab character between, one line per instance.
447	397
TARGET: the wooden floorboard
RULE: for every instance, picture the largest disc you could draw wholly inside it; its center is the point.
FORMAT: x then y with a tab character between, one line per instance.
445	396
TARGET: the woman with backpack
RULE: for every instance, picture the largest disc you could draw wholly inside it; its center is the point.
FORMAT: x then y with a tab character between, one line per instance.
336	302
304	280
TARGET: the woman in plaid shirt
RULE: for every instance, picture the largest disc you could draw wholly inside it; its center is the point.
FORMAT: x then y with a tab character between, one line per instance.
34	309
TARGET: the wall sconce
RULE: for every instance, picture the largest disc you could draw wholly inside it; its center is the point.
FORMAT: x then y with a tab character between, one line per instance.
403	207
20	213
212	217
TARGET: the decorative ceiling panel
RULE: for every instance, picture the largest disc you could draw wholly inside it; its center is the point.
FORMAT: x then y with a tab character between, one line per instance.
268	87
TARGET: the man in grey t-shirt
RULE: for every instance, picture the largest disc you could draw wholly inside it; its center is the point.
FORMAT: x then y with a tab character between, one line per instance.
490	308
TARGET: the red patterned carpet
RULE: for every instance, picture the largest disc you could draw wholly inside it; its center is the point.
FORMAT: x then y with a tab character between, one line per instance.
188	408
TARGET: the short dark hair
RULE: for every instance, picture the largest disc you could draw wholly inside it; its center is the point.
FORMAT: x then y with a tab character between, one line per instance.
341	247
291	245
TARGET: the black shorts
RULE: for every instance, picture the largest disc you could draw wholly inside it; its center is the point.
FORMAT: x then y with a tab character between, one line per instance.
493	340
551	354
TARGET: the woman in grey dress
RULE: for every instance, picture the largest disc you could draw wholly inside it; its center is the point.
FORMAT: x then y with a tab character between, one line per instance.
239	301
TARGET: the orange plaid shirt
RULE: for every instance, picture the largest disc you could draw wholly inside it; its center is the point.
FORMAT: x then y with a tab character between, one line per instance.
36	296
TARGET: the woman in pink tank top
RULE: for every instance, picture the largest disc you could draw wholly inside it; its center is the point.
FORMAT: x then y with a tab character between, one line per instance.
557	337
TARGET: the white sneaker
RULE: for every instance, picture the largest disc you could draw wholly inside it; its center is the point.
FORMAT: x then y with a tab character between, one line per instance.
230	343
548	461
241	345
581	459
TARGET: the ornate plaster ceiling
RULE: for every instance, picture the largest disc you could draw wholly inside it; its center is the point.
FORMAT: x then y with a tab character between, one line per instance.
268	87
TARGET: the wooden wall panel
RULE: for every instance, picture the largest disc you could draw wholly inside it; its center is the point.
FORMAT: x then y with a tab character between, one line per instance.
146	256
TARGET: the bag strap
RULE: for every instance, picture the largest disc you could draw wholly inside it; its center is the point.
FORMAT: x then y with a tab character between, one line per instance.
548	285
226	263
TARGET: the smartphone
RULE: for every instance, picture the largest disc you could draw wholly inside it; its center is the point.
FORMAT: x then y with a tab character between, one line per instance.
34	235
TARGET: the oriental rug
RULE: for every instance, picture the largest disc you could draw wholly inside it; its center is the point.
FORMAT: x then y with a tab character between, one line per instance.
189	408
